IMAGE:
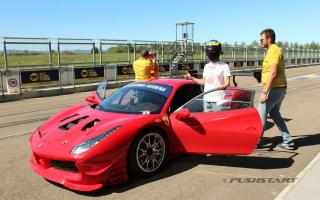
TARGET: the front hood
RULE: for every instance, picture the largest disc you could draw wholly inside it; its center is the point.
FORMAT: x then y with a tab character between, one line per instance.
78	124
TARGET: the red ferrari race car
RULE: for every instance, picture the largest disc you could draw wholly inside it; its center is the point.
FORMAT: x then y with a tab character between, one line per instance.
134	131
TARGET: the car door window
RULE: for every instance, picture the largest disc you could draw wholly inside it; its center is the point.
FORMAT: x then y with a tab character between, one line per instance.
221	100
183	95
102	89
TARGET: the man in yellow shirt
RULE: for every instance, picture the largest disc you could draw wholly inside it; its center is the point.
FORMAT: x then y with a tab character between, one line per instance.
145	69
274	87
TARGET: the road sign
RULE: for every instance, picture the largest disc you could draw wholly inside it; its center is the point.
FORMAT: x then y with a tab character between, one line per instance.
12	84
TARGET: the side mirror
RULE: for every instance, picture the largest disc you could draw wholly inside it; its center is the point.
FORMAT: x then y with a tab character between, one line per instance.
91	100
183	114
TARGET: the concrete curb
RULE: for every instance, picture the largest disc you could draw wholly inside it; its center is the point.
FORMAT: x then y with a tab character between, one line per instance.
299	177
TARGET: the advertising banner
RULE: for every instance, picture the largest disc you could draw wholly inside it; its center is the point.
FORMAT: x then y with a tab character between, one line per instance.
88	74
39	77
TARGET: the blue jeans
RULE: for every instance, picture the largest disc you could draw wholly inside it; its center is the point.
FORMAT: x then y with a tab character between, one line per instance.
272	107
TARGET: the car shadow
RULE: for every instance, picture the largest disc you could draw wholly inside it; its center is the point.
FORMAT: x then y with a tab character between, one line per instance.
186	162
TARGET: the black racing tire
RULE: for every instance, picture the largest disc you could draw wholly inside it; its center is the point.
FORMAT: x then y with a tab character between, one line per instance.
148	153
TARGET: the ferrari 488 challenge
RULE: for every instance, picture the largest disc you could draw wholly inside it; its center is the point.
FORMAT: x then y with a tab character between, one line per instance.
133	131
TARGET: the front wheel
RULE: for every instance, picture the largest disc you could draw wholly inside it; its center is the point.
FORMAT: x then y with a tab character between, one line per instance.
148	153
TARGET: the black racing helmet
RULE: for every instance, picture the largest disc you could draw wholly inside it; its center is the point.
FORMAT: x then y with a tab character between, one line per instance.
213	49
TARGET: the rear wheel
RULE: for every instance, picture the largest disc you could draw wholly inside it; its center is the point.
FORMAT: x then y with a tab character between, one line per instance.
148	153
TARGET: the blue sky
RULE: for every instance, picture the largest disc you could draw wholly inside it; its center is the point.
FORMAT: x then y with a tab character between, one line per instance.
227	20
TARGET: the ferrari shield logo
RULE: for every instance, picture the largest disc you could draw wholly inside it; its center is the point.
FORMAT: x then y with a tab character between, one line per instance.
165	119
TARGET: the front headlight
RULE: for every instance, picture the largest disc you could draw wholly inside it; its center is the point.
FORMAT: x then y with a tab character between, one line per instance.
85	146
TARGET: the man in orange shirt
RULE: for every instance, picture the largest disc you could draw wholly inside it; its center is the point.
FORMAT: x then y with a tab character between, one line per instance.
145	69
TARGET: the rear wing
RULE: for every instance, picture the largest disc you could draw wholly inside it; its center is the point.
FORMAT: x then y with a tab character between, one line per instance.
256	74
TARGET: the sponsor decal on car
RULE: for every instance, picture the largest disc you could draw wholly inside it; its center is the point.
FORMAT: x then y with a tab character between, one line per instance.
160	89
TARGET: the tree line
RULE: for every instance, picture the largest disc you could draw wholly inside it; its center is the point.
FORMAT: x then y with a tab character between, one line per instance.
296	45
253	44
124	48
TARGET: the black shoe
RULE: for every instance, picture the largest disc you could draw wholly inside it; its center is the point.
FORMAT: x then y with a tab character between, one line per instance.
261	146
286	145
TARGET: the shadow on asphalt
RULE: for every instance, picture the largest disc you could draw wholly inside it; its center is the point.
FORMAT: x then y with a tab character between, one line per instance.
270	124
187	162
306	140
270	143
184	163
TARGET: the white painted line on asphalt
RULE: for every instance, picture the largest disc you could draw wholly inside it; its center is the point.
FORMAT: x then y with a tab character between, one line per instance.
14	135
286	190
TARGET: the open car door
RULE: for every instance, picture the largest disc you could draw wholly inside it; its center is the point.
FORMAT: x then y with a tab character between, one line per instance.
218	122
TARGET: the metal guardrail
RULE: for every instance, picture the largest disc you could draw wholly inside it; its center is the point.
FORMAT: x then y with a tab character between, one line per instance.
1	79
111	73
69	51
240	58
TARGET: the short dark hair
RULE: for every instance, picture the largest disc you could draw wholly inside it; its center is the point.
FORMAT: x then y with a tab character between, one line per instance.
269	33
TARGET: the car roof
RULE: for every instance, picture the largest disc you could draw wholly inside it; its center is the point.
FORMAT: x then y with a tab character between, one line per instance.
173	82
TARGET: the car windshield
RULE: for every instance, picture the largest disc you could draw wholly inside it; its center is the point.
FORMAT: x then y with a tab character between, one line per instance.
137	98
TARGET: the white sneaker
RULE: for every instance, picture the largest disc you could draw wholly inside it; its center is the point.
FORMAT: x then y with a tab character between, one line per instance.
284	145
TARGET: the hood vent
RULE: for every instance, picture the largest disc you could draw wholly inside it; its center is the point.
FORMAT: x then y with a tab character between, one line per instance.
90	124
68	117
69	125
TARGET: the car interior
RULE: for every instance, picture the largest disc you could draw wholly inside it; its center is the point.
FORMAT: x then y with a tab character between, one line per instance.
183	95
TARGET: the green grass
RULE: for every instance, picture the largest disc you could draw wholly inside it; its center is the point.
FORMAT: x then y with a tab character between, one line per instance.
43	59
22	60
